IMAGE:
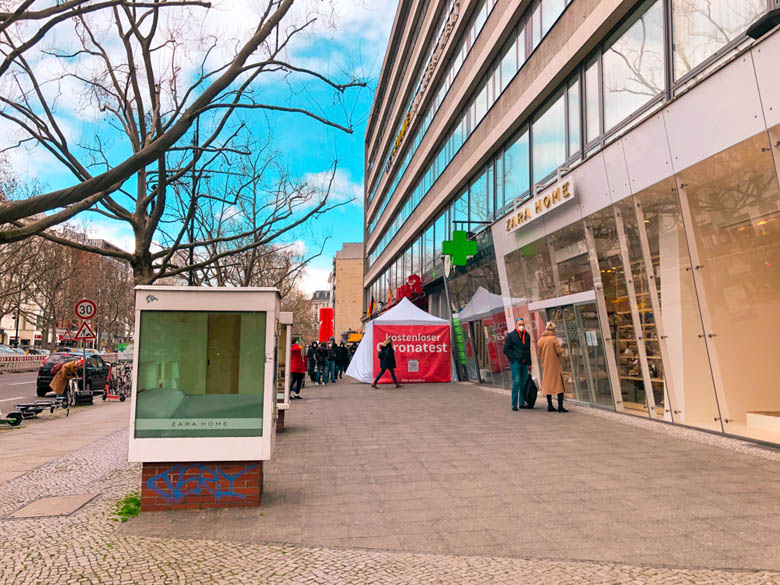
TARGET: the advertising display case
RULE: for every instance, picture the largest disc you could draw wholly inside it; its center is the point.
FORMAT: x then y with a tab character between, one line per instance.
282	377
203	391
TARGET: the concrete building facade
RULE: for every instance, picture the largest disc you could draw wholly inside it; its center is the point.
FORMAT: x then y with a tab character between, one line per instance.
616	163
347	289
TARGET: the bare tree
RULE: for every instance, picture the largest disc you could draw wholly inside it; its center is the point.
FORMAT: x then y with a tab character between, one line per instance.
128	63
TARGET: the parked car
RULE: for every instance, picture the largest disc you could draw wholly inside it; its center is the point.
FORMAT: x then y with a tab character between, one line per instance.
5	350
37	351
97	372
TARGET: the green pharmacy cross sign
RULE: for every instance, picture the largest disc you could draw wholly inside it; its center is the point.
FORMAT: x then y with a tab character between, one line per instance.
459	247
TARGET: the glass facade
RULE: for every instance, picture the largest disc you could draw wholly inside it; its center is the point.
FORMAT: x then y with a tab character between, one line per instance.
684	285
200	374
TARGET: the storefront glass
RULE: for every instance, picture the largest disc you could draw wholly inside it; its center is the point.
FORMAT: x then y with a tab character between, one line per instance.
735	215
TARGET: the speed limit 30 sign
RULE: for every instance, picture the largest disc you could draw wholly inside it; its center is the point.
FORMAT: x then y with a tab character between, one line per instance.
85	309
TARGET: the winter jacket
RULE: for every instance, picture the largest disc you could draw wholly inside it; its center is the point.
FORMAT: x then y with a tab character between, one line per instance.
342	355
517	347
387	357
297	365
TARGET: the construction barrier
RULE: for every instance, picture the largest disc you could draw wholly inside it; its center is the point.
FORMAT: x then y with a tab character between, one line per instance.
20	363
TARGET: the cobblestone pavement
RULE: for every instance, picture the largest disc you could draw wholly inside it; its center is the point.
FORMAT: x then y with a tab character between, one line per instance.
89	547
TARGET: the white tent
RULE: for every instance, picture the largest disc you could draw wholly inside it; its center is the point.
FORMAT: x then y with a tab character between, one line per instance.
404	313
483	304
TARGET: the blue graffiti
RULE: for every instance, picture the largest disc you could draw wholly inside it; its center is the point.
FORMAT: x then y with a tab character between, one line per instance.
179	482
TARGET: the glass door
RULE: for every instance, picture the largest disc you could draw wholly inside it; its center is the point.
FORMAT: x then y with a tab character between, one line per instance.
593	353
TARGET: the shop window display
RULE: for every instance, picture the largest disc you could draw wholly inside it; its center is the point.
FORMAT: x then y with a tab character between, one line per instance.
735	214
686	367
200	374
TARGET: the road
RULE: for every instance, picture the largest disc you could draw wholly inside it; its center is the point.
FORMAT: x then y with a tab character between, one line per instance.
16	388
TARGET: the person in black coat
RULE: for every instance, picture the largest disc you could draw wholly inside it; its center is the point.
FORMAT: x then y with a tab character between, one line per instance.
386	362
311	361
322	364
517	349
342	359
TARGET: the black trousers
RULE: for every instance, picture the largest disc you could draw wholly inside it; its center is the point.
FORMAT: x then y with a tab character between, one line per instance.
296	383
381	373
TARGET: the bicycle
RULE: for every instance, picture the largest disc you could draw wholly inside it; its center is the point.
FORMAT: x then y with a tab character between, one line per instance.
119	383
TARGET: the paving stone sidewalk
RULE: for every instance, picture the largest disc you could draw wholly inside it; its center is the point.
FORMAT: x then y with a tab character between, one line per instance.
373	491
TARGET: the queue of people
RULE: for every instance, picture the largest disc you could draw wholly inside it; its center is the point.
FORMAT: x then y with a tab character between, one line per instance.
327	361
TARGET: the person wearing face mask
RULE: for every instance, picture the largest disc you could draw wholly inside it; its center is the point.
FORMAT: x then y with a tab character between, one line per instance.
517	349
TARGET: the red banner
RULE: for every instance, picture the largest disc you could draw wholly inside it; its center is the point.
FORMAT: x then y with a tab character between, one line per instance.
422	352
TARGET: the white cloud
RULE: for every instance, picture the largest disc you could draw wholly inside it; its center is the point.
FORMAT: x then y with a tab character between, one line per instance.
314	278
342	189
115	233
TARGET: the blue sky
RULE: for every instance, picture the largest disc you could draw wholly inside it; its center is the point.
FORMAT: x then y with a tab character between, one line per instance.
350	39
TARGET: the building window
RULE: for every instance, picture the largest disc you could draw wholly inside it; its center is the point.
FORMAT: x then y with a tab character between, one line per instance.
700	28
461	212
551	10
592	107
535	22
548	142
516	170
509	62
634	64
573	120
478	197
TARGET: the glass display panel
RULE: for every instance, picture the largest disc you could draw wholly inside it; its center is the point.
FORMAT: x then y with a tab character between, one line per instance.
634	64
701	27
735	208
549	139
200	374
686	366
516	171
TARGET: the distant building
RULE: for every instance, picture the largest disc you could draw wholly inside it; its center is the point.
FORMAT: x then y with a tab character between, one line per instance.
347	288
319	299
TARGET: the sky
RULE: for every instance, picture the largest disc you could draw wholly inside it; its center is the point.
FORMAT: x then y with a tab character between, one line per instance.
349	37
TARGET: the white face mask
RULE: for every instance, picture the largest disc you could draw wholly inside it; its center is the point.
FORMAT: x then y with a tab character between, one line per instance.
521	327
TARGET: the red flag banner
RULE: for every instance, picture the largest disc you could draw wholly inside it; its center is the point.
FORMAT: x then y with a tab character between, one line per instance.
422	352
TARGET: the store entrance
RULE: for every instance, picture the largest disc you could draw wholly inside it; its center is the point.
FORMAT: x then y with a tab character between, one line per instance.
585	373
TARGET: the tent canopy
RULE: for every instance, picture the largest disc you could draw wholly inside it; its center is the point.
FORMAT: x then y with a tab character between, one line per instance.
404	313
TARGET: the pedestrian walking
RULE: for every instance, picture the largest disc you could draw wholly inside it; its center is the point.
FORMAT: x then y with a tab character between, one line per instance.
517	349
386	362
342	359
311	361
297	370
550	352
322	364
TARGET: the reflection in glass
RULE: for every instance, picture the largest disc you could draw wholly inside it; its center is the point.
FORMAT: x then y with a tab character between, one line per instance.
551	10
592	102
651	339
634	64
735	208
516	170
549	139
702	27
200	374
478	200
574	118
509	62
621	324
687	367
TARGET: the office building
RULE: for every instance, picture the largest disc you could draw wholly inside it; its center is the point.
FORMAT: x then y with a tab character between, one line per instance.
616	163
347	290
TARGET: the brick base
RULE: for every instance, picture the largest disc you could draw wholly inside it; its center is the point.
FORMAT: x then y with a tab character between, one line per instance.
196	486
280	421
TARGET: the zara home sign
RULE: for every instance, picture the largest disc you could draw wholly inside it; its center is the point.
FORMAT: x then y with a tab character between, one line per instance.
547	200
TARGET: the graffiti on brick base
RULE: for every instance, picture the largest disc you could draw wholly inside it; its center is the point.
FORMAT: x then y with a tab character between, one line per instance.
177	482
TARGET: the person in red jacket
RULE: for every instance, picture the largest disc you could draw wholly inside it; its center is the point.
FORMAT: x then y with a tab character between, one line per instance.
297	369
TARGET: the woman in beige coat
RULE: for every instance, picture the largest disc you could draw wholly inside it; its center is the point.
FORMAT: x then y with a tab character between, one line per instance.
550	352
67	372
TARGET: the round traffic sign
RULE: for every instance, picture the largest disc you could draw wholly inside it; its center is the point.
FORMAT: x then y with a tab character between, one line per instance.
85	309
